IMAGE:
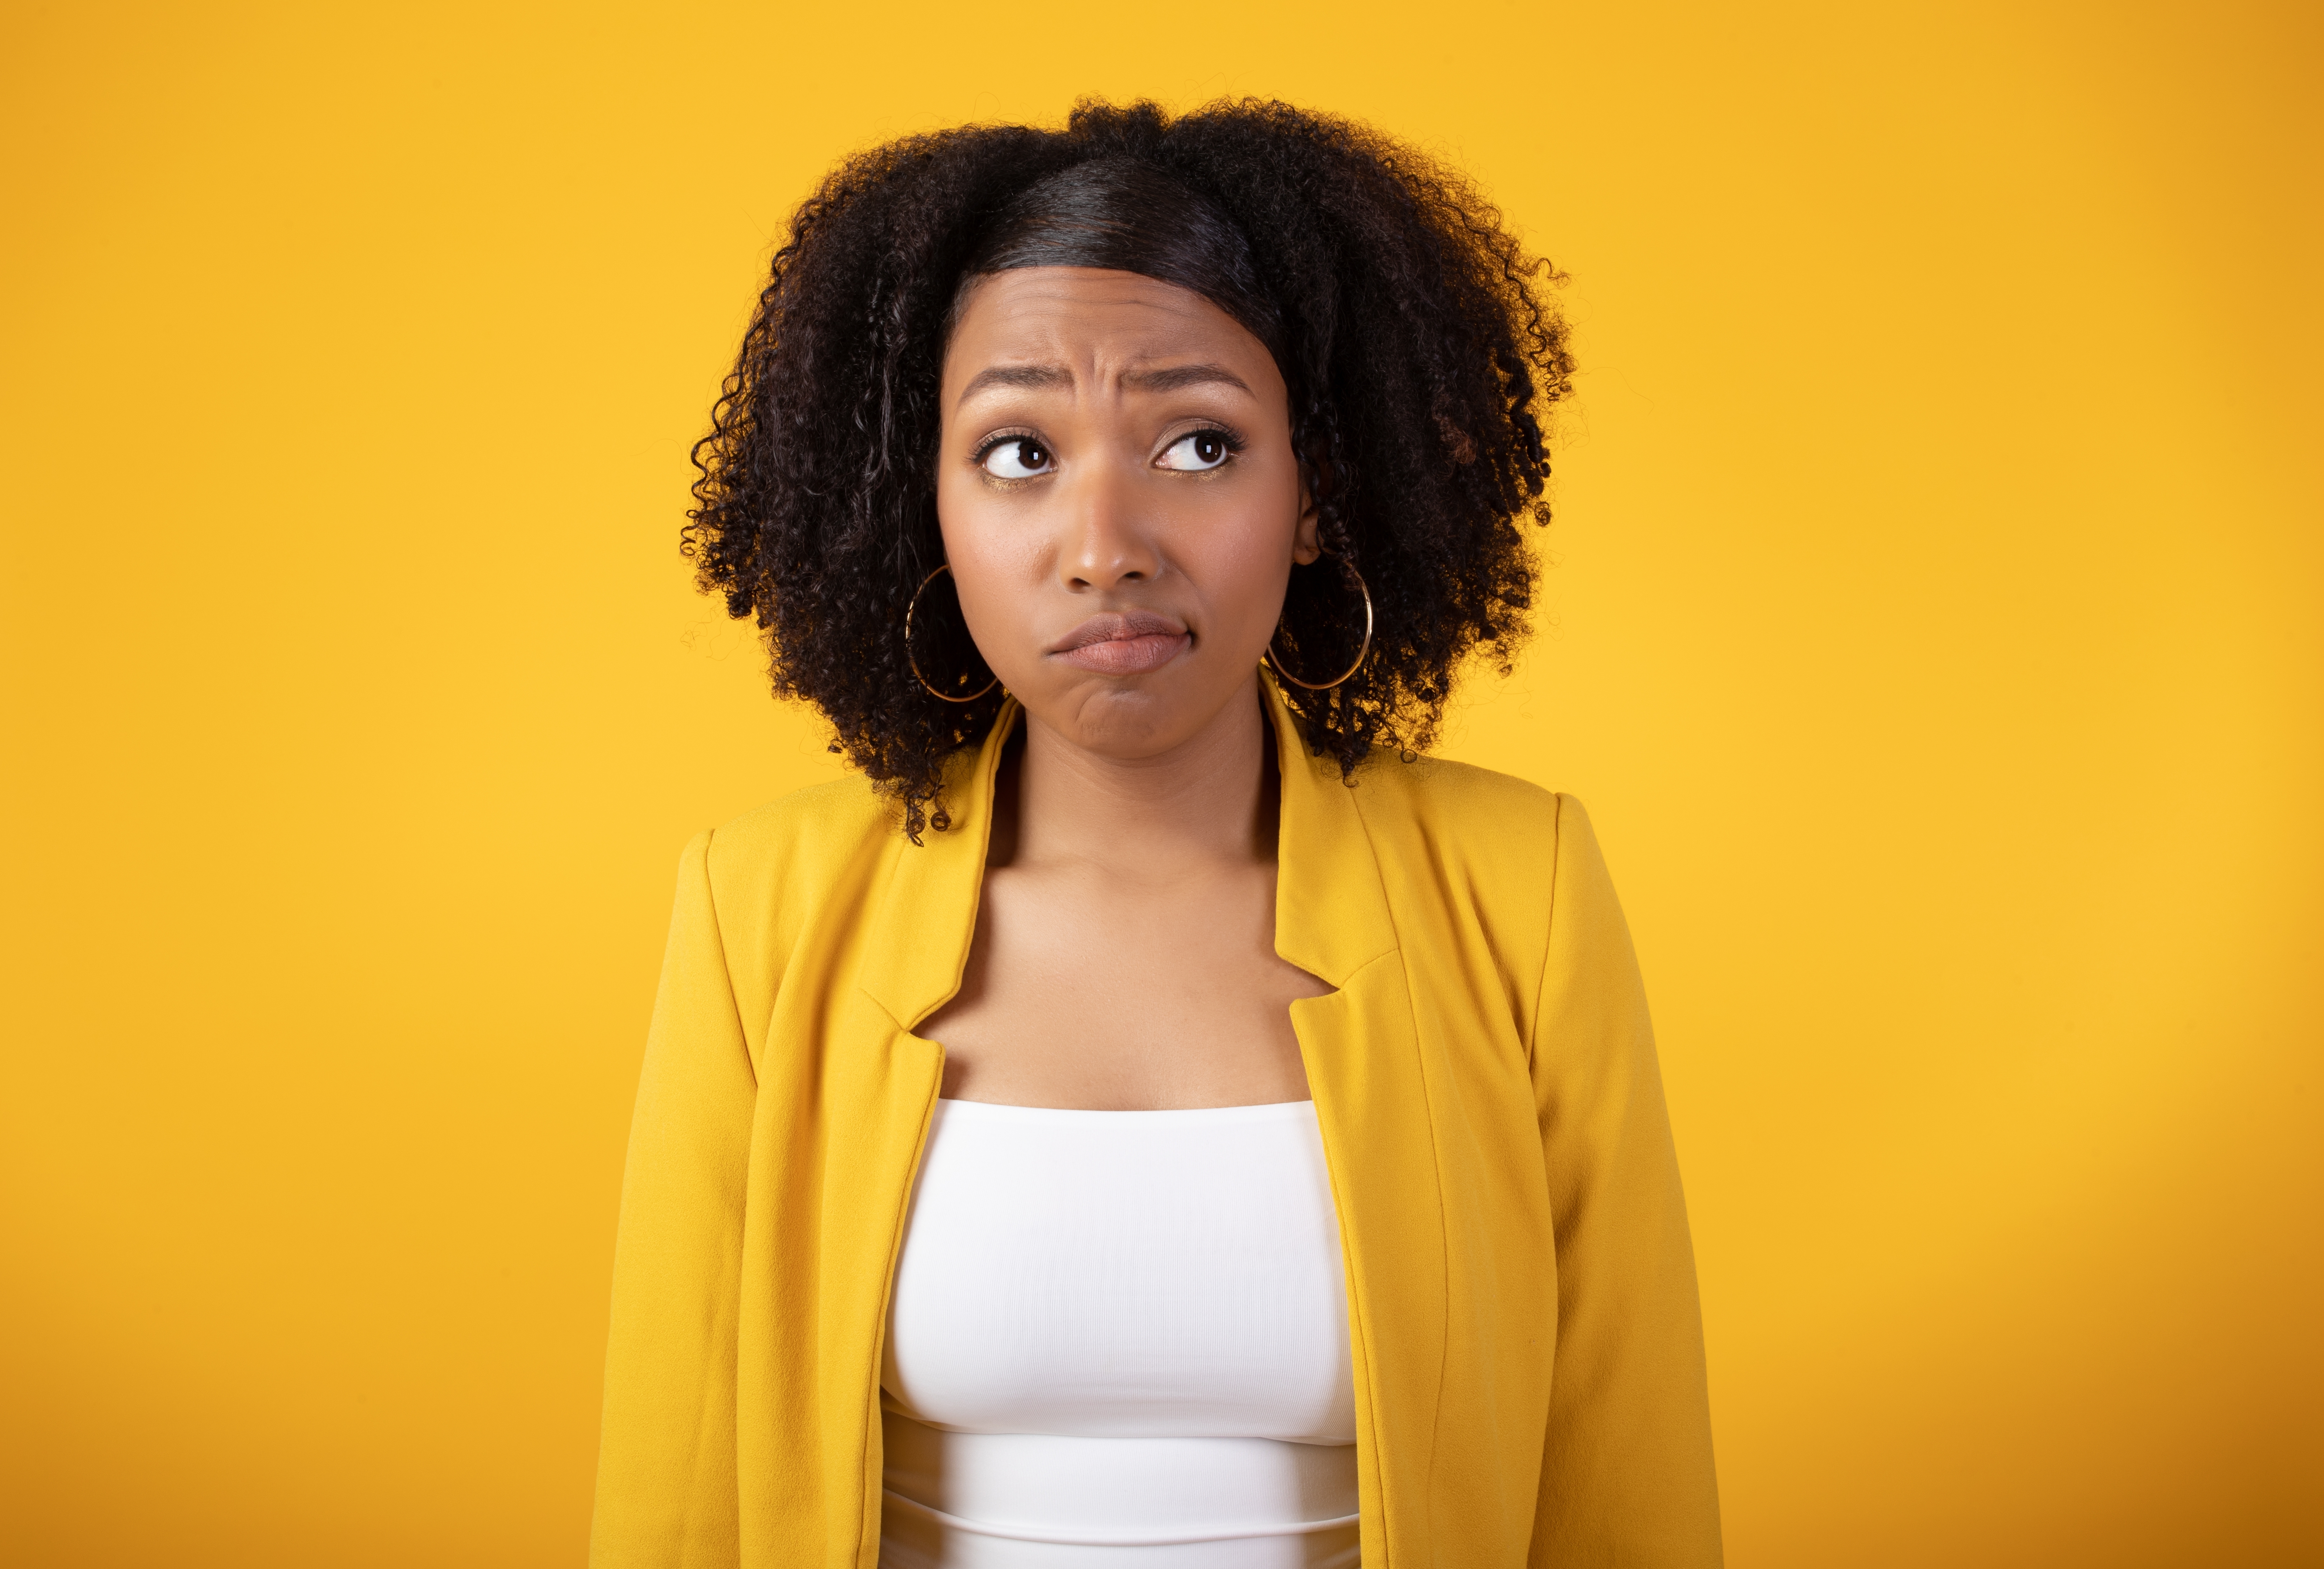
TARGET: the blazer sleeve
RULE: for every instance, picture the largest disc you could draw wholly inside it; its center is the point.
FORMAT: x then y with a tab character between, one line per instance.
666	1492
1627	1477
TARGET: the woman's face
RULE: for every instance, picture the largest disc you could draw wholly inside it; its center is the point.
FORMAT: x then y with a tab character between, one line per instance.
1119	501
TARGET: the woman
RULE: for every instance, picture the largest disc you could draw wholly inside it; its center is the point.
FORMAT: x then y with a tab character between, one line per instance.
1158	1119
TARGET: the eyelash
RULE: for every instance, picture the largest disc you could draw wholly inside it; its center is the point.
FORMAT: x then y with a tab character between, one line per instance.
1227	438
997	439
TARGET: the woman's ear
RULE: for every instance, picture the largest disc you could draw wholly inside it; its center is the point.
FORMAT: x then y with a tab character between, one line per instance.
1306	545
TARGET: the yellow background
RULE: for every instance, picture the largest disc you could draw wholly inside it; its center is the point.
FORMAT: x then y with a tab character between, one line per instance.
1933	631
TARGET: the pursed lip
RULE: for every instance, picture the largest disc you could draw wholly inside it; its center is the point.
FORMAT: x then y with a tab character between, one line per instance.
1124	643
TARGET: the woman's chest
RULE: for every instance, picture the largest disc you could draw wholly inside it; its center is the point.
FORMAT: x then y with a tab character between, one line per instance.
1079	994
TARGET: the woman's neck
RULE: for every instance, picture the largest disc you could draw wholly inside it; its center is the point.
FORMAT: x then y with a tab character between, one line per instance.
1210	799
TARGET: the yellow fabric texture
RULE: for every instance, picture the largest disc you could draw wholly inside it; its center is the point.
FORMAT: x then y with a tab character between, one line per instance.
1521	1291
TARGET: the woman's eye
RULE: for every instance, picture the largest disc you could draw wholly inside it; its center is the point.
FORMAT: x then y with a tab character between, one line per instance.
1016	457
1197	450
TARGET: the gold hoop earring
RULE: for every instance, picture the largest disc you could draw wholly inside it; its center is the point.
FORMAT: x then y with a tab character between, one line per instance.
1364	647
923	680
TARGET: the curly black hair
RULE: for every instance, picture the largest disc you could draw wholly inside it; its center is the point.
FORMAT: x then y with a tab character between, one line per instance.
1413	335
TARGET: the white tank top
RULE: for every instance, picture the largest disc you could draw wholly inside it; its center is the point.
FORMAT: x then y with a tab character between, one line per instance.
1120	1338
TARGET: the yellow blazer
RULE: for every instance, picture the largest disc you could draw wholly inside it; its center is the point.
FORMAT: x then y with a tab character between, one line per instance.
1521	1291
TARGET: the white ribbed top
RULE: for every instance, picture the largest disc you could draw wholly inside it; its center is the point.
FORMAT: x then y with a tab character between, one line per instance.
1119	1337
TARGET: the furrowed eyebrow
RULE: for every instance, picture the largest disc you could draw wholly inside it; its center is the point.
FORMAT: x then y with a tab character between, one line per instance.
1177	377
1043	377
1035	376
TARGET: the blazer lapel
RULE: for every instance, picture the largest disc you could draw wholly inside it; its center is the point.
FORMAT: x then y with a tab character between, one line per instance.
916	941
1365	1068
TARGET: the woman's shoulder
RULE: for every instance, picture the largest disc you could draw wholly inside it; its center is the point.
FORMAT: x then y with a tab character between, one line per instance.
1475	860
1495	844
1462	805
769	871
798	843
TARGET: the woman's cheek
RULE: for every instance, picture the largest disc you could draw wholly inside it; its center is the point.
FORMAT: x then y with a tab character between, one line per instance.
1250	566
997	597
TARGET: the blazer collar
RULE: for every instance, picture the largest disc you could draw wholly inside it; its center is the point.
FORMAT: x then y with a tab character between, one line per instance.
915	944
1331	917
1331	907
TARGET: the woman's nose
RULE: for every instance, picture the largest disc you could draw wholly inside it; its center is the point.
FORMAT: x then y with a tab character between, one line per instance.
1108	540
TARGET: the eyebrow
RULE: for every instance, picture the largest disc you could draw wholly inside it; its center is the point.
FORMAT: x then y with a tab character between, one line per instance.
1016	377
1045	377
1178	376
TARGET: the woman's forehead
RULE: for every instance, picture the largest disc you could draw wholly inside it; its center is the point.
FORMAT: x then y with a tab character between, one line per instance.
1082	321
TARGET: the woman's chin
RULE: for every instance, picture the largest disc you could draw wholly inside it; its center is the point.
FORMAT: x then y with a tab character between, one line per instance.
1133	718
